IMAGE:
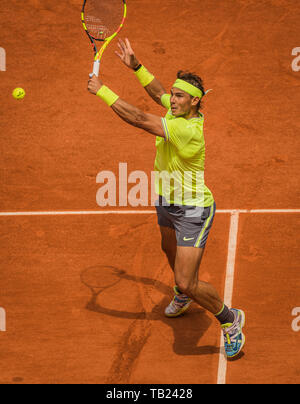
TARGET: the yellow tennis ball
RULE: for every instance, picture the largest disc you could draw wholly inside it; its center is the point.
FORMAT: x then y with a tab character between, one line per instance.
18	93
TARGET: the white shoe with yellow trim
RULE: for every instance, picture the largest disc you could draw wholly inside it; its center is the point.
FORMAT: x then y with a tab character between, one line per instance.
179	304
234	339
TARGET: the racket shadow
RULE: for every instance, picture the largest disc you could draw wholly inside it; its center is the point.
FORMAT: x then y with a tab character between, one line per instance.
188	329
89	278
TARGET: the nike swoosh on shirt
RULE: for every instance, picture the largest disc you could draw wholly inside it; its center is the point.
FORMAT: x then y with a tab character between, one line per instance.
188	239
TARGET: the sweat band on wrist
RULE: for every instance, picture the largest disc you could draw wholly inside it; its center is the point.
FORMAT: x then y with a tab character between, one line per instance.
107	95
138	67
144	77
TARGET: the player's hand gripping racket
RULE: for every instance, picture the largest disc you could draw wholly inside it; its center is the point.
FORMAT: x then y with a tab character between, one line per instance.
102	21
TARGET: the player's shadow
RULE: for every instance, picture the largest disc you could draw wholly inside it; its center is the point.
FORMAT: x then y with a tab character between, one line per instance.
188	329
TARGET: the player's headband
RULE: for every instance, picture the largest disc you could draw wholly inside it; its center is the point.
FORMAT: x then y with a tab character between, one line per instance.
188	88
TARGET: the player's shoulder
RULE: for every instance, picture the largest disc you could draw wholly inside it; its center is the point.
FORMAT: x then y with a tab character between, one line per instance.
197	120
182	124
195	123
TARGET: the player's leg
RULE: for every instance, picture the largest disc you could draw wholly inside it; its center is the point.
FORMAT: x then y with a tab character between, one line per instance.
167	231
187	264
192	230
169	244
192	234
180	302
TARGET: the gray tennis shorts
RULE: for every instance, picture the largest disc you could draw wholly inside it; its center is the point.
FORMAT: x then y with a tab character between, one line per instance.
191	223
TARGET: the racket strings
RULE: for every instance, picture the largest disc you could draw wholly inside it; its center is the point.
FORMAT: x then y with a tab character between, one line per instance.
103	17
96	28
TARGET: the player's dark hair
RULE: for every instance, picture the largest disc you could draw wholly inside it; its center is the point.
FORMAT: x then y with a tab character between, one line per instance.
193	79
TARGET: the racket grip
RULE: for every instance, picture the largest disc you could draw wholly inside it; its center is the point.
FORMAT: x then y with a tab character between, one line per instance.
96	69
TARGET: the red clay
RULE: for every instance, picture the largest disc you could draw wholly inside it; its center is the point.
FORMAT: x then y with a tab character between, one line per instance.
59	137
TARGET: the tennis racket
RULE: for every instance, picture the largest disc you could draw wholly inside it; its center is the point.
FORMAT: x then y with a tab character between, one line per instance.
102	21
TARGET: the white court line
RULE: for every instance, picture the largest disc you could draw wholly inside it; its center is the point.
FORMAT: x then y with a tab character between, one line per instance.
228	291
79	212
274	211
229	278
135	212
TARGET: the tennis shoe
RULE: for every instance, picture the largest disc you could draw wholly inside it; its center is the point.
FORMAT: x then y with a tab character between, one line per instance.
179	304
234	339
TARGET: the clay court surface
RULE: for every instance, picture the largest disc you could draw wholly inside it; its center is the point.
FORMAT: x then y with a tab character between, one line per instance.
61	326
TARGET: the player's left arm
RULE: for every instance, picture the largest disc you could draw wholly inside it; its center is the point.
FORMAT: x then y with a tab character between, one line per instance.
131	114
135	117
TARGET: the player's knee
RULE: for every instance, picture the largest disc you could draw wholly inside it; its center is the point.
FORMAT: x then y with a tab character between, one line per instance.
185	285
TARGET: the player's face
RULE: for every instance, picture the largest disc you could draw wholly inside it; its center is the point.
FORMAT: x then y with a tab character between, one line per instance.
181	102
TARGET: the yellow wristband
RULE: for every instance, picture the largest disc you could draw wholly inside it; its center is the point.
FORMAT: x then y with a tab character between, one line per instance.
107	95
144	77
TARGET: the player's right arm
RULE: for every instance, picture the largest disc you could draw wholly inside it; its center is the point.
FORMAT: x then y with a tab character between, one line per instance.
127	55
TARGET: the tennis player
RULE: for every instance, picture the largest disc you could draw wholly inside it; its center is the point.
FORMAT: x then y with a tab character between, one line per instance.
186	207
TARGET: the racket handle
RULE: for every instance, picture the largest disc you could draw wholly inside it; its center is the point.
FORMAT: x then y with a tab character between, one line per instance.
96	69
